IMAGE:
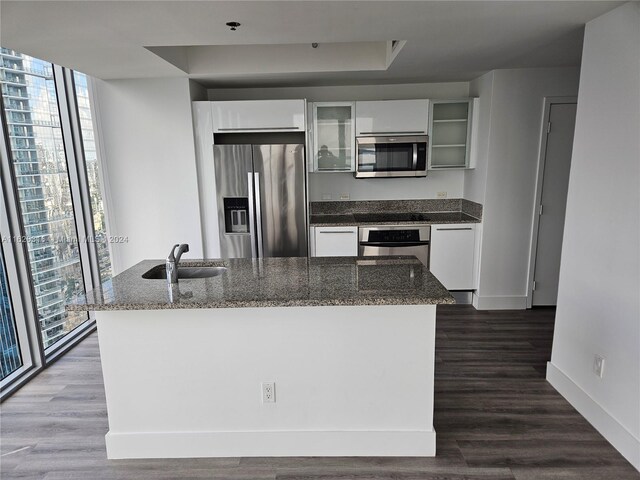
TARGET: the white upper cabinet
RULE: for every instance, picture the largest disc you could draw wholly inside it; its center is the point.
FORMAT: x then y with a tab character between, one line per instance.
452	133
332	135
258	116
392	117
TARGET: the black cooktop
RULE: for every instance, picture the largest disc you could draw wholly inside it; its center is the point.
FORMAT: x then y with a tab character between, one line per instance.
391	217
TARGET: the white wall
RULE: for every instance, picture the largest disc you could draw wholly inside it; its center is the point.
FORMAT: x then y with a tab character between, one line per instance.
197	92
147	148
335	184
346	92
508	160
475	181
599	294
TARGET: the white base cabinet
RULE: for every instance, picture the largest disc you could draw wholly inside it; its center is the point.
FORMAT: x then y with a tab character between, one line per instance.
452	255
335	242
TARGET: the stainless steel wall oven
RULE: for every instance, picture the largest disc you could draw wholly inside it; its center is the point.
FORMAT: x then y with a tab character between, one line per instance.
384	240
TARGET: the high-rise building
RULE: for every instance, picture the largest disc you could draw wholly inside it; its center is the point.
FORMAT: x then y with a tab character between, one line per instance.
42	180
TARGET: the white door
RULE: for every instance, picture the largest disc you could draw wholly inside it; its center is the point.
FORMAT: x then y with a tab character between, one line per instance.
555	181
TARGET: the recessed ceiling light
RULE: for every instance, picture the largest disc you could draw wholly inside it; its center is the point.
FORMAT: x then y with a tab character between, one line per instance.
233	25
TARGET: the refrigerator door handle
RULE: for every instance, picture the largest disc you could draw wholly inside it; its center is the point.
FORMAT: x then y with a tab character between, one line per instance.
256	181
252	216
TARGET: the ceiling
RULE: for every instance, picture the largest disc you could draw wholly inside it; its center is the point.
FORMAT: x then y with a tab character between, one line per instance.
445	41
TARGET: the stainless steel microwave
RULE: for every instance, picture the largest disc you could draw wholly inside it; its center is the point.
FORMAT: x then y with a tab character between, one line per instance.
395	156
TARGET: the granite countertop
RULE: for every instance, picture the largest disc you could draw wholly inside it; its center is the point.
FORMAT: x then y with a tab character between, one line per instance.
274	282
432	218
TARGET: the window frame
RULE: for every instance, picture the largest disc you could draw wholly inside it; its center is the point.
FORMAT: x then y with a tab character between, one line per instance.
18	274
34	356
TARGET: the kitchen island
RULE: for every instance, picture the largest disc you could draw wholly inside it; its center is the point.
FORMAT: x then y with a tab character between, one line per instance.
347	343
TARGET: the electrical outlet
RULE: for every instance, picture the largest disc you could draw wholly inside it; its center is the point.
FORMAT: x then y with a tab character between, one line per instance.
269	392
598	365
442	194
326	196
344	196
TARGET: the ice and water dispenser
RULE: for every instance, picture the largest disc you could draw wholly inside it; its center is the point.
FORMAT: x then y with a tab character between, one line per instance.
236	214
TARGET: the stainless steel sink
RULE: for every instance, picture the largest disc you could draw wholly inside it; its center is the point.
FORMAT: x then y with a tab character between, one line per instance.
159	272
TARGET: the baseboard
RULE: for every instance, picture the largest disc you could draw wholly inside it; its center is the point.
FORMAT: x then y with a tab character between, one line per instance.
615	433
509	302
400	443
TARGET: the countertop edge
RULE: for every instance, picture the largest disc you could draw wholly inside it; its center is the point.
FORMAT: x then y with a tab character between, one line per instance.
352	222
259	304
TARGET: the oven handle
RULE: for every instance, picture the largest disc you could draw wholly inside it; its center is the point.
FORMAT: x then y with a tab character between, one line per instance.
394	244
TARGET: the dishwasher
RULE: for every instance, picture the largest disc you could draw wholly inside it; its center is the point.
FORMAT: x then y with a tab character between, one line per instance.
395	240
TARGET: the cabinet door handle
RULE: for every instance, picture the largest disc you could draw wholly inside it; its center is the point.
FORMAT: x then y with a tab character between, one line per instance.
256	181
406	132
451	229
256	128
337	231
252	216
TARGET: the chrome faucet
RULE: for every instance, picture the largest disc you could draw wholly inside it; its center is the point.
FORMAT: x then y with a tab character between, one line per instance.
173	260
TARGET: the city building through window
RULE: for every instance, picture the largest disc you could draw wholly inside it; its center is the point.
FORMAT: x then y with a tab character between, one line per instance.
42	191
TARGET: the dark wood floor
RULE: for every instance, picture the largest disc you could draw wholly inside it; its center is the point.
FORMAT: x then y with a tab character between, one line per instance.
496	417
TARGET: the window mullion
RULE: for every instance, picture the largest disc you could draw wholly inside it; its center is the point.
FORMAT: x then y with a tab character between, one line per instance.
83	185
77	182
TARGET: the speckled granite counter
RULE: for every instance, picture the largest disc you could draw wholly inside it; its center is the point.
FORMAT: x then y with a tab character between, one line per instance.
330	220
360	213
275	282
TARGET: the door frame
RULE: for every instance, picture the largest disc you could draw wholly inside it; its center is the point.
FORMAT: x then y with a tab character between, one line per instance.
542	157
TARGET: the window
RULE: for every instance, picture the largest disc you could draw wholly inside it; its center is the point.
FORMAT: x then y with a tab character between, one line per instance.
93	174
54	208
9	348
44	193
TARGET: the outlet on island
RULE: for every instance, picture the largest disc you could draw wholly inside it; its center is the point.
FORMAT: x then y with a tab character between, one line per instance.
442	194
269	392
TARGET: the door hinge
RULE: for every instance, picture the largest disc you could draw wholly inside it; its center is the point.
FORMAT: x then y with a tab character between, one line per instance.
540	210
534	286
548	127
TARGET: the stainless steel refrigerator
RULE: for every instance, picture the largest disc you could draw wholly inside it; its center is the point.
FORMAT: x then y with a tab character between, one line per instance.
261	200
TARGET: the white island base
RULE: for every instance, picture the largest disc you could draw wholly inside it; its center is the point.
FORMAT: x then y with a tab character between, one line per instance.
349	381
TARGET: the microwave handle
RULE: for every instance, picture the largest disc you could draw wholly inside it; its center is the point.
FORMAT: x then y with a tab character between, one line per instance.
415	156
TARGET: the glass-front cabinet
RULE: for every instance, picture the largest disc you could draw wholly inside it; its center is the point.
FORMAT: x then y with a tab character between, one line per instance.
450	133
333	137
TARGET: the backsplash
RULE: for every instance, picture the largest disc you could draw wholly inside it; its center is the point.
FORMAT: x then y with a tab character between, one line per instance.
369	206
331	186
471	208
